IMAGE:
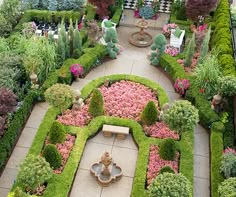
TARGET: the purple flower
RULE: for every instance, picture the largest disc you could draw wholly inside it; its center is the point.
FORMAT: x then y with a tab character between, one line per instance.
76	69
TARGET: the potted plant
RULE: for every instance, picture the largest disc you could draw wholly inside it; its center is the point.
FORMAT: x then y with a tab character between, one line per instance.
77	70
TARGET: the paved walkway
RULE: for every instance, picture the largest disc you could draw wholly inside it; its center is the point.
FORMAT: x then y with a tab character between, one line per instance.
22	147
132	61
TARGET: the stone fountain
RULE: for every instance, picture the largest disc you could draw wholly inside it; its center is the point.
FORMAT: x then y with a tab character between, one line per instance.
106	171
141	38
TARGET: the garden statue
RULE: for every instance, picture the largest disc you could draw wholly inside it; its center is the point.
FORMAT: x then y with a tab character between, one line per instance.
216	103
78	102
141	38
106	171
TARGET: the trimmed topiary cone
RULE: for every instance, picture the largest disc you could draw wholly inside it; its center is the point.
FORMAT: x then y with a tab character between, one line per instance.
167	149
149	114
166	169
57	133
52	156
96	105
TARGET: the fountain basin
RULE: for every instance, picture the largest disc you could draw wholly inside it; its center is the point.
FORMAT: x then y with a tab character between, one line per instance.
103	180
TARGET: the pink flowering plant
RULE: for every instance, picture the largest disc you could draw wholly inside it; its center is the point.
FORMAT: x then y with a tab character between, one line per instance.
171	50
167	29
181	85
160	130
76	69
156	163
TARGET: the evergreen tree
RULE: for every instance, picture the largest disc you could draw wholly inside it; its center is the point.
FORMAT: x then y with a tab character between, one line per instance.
197	8
78	4
52	5
43	4
77	43
52	156
205	47
167	149
149	114
61	51
60	4
71	37
67	4
96	105
190	51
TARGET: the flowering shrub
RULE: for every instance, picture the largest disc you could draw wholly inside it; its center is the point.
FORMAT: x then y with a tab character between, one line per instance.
181	85
156	163
29	29
228	165
160	130
171	50
76	69
230	150
167	29
64	150
193	65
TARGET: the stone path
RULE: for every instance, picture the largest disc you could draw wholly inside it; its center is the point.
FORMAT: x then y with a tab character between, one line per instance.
21	149
132	61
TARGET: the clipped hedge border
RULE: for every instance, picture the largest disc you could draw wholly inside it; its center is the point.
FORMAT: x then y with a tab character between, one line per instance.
7	142
60	185
47	15
117	15
221	38
216	141
87	60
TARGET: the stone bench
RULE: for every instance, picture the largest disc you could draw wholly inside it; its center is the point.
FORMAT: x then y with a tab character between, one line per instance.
120	132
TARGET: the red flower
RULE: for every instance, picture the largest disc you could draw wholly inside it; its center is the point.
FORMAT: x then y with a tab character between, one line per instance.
202	90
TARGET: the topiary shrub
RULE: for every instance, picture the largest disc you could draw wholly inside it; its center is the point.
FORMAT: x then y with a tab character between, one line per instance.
227	188
146	12
111	38
60	95
167	149
182	116
34	171
149	114
52	156
166	169
158	49
228	165
57	133
168	184
96	105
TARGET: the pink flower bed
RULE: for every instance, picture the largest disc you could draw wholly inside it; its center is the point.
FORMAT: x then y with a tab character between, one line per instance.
126	99
156	163
160	130
75	117
64	149
193	64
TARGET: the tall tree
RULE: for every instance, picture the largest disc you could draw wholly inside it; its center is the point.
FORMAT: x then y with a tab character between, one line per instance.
197	8
102	7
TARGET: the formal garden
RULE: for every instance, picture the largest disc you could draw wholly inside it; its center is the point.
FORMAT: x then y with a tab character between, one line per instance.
49	48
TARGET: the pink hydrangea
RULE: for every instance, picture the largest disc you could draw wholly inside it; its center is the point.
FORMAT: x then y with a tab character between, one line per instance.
156	163
171	50
167	29
160	130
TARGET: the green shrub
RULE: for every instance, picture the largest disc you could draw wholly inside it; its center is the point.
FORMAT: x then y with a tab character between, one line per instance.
117	15
228	86
57	133
168	149
52	156
33	172
96	105
182	116
60	95
228	165
149	114
227	64
169	184
158	48
227	188
166	169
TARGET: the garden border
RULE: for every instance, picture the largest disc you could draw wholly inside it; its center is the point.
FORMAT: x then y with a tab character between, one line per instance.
63	182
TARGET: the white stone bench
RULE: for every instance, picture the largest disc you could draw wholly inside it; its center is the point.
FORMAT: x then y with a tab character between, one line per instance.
120	132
